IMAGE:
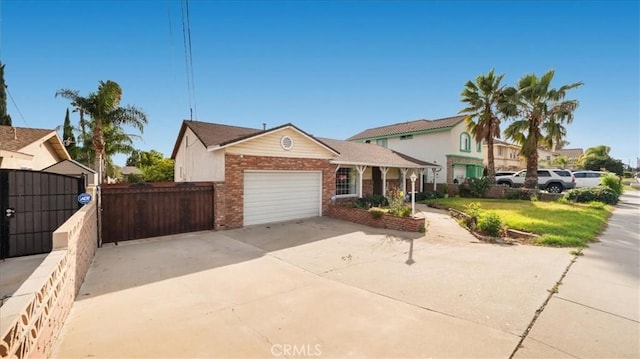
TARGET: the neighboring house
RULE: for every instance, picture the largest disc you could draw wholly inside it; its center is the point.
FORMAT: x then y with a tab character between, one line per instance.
128	171
546	158
30	148
572	155
506	156
443	141
75	169
283	173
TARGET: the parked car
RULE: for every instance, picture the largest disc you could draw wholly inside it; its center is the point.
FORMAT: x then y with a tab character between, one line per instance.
504	173
588	178
553	180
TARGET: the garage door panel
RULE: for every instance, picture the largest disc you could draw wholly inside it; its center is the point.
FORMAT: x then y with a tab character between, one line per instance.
281	195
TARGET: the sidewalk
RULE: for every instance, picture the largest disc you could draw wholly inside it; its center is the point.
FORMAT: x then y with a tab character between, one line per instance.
596	310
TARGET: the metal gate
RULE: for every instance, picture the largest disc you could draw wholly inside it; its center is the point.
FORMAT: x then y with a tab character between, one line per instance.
33	205
133	211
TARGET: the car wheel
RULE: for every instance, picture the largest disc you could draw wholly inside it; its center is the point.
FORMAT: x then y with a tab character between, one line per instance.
554	188
503	183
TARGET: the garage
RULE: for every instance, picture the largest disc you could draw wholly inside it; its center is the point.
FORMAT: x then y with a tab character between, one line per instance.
274	196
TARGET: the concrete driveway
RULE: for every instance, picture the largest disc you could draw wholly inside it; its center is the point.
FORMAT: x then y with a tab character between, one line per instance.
318	287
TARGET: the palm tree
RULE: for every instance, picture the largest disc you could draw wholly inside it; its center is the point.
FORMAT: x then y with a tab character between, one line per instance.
555	133
485	101
537	103
103	107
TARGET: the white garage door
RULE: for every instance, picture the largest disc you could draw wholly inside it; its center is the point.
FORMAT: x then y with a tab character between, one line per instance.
281	196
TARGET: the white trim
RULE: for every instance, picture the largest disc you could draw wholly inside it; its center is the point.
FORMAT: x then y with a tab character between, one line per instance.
360	170
284	139
372	164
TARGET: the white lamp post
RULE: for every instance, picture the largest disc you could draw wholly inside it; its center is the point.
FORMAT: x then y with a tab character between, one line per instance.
413	193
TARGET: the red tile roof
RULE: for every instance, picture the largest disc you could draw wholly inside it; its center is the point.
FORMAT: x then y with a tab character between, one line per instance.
570	153
407	128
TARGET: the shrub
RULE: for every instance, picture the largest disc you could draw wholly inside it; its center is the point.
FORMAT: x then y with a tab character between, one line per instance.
477	187
376	212
371	201
490	224
473	210
596	205
427	195
612	181
586	195
403	211
520	193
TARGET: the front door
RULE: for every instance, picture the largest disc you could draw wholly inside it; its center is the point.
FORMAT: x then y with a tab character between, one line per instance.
376	176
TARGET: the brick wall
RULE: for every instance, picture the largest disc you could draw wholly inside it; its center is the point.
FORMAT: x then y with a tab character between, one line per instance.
362	216
234	182
32	318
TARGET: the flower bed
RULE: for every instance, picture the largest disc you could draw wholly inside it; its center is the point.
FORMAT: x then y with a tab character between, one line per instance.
363	216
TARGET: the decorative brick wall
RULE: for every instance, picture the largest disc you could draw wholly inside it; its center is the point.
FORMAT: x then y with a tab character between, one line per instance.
362	216
32	318
234	181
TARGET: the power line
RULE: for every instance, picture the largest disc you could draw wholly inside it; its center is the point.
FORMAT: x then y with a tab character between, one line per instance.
193	86
17	108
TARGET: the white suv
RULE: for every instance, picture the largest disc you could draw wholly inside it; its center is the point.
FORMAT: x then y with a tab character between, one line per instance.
553	180
588	178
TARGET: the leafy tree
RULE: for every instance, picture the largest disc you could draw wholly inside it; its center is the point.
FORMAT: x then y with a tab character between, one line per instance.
597	158
537	103
561	161
142	159
161	171
555	133
103	107
5	119
485	101
68	137
598	151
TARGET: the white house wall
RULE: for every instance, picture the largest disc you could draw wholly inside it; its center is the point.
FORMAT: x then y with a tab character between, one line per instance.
43	156
429	147
194	163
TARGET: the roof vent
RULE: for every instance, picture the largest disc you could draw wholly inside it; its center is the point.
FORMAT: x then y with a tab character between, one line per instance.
286	142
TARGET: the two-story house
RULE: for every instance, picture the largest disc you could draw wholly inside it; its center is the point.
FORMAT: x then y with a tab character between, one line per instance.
506	156
445	142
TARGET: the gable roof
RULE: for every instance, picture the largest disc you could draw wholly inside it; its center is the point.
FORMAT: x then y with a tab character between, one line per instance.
16	138
214	135
76	163
357	153
407	128
570	152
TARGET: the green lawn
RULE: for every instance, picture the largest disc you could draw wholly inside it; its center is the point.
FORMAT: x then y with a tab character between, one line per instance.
558	224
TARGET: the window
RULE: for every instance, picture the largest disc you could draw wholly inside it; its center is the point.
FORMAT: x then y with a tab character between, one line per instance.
479	147
499	151
367	141
563	173
346	181
580	175
465	142
382	142
544	174
406	137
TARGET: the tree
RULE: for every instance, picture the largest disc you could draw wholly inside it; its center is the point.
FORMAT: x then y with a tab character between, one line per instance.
561	161
604	163
5	119
68	138
555	133
485	101
536	103
103	107
142	159
161	171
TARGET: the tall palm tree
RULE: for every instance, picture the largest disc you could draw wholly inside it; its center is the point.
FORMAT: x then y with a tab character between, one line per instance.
485	101
103	107
537	103
555	133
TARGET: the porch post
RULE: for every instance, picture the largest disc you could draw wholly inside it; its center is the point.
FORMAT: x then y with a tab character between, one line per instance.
360	170
404	179
422	179
384	171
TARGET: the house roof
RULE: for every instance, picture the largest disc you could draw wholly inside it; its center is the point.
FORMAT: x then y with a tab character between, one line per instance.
218	135
570	152
357	153
16	138
407	128
130	170
497	141
76	163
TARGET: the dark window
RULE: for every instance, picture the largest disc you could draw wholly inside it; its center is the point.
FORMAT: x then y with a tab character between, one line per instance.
580	175
563	173
544	174
345	181
406	137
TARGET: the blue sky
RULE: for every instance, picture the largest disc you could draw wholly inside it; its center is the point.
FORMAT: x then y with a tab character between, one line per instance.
333	68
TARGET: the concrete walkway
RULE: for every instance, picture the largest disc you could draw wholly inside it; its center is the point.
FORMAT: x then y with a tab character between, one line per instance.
596	312
328	288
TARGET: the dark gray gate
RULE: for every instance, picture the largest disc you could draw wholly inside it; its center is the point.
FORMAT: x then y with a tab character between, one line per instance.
33	205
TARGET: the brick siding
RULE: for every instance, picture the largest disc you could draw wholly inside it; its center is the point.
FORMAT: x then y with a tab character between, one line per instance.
362	216
230	213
